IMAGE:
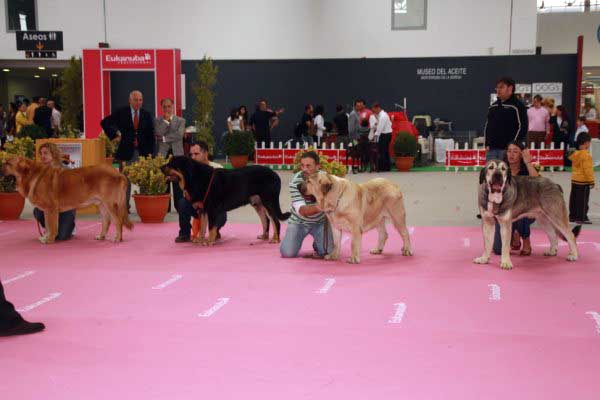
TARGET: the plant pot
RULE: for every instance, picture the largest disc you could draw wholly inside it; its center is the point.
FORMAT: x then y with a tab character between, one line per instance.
152	209
239	161
11	205
109	160
404	163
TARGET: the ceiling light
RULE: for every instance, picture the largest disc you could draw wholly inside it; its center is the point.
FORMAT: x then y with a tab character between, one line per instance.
5	69
36	76
55	75
42	68
588	73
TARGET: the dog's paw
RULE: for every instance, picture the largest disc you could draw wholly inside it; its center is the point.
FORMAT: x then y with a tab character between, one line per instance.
208	243
506	264
353	260
572	257
407	252
117	240
551	252
43	239
376	251
481	260
263	237
100	237
332	257
274	241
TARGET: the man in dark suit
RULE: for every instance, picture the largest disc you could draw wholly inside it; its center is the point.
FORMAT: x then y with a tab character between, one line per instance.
135	127
42	116
11	322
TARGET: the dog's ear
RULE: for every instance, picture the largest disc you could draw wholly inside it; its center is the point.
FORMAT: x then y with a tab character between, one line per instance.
508	176
326	184
482	175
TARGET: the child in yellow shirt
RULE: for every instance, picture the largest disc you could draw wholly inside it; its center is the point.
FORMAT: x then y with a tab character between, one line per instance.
582	180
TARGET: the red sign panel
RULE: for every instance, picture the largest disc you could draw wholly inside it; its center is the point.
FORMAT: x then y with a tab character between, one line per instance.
128	59
269	156
332	155
289	155
462	158
549	158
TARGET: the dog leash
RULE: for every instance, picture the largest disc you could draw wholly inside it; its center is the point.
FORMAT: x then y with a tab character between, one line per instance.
200	204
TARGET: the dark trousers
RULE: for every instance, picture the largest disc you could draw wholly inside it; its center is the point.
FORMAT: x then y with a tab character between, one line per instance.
578	202
521	226
177	194
187	211
66	223
383	148
536	137
9	317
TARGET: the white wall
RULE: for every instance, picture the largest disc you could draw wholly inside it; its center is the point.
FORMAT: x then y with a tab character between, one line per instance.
558	32
283	29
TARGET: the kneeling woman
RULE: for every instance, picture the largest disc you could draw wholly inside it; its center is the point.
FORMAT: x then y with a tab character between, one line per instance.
519	160
49	154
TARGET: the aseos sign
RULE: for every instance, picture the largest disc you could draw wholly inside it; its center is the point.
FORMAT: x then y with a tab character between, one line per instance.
127	59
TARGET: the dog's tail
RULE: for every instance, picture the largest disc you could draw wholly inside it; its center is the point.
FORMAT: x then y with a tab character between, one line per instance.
576	230
122	212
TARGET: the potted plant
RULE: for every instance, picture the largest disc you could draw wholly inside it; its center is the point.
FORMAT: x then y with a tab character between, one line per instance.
334	167
238	146
152	199
109	148
32	131
405	149
11	201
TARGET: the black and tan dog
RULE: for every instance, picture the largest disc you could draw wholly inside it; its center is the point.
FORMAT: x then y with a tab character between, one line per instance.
505	198
214	191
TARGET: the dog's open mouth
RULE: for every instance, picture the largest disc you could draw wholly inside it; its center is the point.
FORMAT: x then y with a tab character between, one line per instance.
496	187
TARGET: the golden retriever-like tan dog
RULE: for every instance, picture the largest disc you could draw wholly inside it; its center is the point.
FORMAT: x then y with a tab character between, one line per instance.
54	190
358	208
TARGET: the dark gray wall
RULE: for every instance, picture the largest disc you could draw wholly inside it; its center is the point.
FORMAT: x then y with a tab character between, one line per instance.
292	83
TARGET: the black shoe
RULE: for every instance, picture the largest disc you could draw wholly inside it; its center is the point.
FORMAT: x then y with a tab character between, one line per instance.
182	239
23	328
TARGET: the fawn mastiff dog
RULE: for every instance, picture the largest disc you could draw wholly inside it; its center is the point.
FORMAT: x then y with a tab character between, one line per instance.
54	190
358	208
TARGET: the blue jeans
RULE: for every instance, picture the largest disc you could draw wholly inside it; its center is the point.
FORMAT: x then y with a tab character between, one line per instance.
295	234
66	223
494	154
521	226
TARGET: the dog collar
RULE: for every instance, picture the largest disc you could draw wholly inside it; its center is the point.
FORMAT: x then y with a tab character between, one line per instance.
338	202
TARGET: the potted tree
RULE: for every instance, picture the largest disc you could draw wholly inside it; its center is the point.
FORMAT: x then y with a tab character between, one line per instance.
152	199
109	148
405	149
238	146
203	90
11	201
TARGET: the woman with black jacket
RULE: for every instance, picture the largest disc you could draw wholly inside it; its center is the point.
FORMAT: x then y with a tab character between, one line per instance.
561	127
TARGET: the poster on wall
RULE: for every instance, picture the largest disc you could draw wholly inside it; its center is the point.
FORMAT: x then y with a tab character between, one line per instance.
523	93
74	151
549	89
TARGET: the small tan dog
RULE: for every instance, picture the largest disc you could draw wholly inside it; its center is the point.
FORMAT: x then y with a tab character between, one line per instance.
358	208
54	190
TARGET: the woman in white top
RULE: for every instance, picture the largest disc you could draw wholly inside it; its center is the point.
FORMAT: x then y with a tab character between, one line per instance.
319	123
235	122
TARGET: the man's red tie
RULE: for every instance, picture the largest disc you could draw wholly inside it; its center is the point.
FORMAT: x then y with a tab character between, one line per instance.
136	123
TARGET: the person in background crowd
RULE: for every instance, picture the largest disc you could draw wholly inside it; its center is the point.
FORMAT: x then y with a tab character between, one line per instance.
518	159
135	126
235	122
319	123
262	121
56	117
307	218
340	124
354	122
539	123
3	117
383	136
506	120
582	180
169	130
581	127
30	112
11	322
43	117
198	152
49	155
590	113
561	127
305	126
21	119
244	116
11	125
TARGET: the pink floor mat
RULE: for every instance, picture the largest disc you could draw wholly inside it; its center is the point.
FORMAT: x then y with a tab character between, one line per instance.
151	319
